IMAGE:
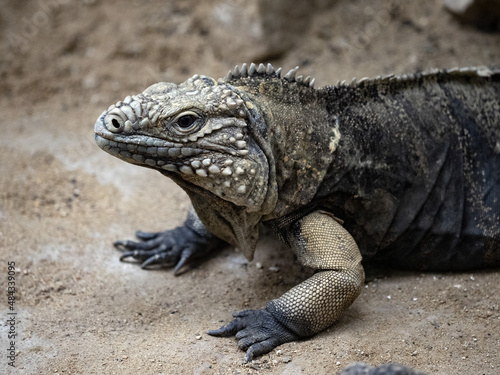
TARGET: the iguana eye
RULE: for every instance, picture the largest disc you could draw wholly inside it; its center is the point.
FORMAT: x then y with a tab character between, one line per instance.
186	121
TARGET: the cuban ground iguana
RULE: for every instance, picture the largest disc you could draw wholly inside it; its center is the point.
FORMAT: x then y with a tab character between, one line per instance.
403	170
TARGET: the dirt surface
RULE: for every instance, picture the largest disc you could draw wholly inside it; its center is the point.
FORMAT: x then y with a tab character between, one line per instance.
63	201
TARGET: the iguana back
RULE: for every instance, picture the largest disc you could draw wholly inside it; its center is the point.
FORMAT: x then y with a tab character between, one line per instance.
410	164
418	168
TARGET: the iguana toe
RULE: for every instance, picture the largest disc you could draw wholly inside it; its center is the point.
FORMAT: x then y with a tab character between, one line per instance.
258	332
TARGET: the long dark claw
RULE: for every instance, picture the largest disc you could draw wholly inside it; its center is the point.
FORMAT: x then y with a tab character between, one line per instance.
151	260
260	348
158	256
123	245
131	253
139	254
187	254
229	329
181	263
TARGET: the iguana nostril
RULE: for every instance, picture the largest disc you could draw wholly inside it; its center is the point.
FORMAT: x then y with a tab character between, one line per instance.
114	124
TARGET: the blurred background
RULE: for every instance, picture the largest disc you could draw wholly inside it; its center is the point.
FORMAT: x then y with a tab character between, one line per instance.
92	51
63	201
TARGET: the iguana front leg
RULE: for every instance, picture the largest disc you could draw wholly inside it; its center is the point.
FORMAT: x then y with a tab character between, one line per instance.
172	247
319	241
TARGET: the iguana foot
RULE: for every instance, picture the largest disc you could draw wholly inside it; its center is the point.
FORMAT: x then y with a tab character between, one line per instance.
172	247
258	332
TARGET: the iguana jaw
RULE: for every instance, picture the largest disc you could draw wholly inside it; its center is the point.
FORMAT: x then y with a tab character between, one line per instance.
215	152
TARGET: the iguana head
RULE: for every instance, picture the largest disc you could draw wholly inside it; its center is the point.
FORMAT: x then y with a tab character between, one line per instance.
224	142
200	130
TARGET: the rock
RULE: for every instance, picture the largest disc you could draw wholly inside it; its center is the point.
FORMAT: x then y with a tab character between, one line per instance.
484	14
259	30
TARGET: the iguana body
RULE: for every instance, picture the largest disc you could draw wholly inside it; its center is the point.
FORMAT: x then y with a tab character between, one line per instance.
409	165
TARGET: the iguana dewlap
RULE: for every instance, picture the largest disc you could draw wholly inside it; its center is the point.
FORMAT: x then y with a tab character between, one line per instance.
403	170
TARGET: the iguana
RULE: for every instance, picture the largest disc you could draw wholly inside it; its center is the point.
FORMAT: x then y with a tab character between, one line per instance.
402	170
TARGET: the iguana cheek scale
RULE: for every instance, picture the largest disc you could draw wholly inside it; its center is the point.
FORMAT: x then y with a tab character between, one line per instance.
403	170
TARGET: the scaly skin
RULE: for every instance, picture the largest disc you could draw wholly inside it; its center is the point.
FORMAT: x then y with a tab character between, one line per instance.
409	165
386	369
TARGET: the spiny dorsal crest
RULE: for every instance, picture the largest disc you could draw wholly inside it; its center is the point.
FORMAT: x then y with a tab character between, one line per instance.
479	71
261	70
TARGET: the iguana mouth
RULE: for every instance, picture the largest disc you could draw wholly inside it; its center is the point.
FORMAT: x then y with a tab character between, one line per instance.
134	149
137	148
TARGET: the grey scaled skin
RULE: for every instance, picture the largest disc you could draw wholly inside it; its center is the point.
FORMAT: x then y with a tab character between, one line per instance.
361	368
403	170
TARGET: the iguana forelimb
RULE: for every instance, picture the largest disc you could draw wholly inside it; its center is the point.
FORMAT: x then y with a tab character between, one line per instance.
320	242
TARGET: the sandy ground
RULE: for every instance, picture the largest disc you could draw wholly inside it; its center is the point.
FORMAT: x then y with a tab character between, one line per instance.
63	201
